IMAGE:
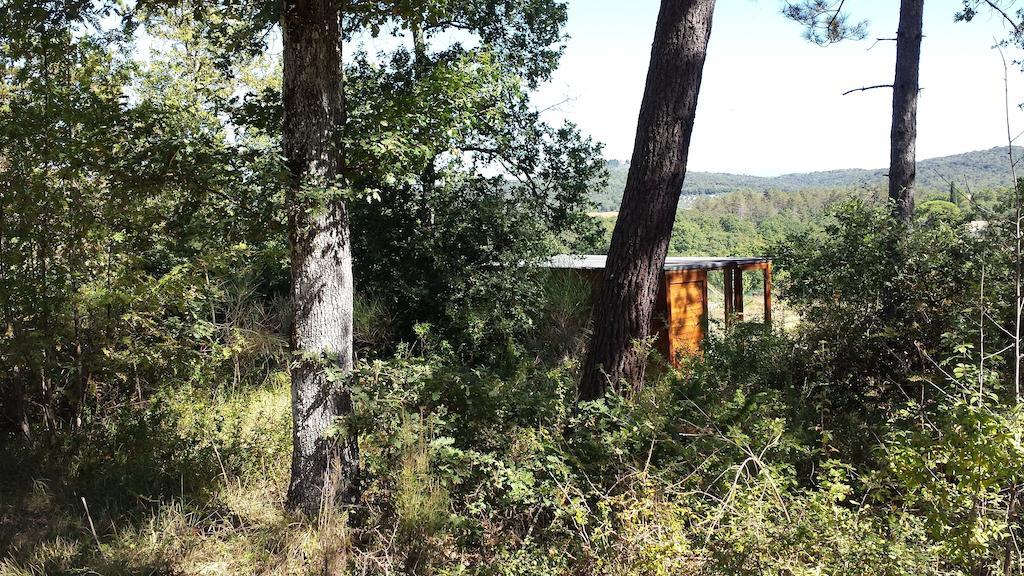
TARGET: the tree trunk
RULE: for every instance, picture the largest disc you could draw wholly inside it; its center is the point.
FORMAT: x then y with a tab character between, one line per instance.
902	140
324	466
644	226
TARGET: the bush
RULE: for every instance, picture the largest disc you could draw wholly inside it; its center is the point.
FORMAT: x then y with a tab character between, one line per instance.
878	302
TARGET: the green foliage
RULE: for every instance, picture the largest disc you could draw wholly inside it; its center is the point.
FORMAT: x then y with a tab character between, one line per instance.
143	239
718	468
143	357
934	211
880	300
744	223
825	22
962	471
561	317
698	233
120	271
446	243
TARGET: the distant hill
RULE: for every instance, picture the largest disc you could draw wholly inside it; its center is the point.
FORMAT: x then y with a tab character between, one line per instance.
980	170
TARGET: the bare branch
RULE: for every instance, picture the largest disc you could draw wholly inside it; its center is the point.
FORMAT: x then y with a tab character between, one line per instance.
1019	209
867	88
877	40
565	100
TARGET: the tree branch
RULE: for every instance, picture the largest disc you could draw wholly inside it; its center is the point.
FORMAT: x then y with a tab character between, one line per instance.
835	16
994	6
865	88
877	40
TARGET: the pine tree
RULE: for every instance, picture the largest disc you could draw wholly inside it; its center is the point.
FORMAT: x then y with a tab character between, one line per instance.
644	226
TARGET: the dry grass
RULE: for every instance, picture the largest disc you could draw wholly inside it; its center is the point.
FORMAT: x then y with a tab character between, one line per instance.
244	530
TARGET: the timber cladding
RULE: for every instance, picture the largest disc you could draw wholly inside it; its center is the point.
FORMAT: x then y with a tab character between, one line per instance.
680	317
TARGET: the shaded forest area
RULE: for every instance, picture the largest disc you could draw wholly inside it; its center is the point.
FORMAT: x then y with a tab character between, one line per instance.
272	303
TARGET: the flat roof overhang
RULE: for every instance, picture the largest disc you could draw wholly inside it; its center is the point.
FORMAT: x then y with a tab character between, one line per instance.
597	262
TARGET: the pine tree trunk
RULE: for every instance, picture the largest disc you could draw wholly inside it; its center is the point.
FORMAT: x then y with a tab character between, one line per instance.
324	467
644	226
902	140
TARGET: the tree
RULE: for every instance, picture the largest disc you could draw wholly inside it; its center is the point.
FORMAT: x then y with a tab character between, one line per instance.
457	185
905	88
826	24
410	154
451	239
324	466
49	78
644	227
114	245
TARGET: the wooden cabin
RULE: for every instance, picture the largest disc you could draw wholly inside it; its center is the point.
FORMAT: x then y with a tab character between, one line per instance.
680	318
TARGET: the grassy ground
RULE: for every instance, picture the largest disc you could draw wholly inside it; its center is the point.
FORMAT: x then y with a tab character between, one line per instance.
231	522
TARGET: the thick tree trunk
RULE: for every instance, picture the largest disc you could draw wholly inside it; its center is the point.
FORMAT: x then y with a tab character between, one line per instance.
324	466
641	236
902	139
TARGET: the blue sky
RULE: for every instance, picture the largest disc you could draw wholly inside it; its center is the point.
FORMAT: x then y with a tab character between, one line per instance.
772	103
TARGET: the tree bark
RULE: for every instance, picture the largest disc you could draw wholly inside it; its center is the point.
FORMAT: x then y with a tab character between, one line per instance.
903	138
324	465
644	226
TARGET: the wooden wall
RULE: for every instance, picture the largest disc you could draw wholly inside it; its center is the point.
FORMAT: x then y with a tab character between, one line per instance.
680	319
686	303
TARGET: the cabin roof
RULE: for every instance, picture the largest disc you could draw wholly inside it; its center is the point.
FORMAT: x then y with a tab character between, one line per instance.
597	262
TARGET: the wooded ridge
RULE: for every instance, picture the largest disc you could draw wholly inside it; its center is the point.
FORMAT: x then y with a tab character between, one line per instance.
978	169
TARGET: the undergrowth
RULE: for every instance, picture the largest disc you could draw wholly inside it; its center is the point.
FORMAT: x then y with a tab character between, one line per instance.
467	472
869	440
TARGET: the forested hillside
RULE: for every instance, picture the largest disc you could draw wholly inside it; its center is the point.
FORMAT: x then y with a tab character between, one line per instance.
980	169
747	222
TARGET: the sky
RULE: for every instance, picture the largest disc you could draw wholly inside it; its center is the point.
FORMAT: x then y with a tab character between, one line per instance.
771	103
